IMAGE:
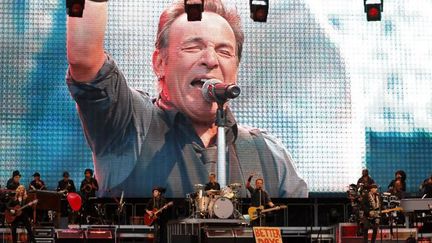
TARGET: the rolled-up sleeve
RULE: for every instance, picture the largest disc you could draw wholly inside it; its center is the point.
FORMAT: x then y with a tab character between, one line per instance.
104	106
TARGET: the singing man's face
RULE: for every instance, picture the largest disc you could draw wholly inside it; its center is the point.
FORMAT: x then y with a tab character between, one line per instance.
259	184
197	50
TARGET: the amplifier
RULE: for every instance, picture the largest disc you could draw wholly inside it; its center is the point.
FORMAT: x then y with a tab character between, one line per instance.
99	236
219	235
44	232
70	236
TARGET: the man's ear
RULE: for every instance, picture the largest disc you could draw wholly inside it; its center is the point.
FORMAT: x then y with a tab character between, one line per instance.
158	67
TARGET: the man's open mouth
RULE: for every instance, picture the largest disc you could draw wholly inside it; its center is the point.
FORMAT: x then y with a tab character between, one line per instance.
197	83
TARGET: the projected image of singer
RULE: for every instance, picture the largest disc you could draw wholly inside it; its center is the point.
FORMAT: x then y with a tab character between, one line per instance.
170	141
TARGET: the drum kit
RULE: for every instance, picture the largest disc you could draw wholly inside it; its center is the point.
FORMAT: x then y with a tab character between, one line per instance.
218	204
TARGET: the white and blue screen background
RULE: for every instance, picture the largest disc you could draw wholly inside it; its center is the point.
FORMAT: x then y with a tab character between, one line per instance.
341	93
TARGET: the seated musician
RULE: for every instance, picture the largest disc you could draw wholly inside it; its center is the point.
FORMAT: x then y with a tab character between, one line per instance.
22	216
212	184
14	181
37	183
89	187
259	197
156	202
371	205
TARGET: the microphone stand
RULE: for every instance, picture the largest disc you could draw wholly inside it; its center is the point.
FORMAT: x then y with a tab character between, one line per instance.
221	143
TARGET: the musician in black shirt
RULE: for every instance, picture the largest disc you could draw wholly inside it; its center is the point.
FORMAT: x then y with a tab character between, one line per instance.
89	186
156	202
259	197
37	183
22	216
212	184
65	186
14	181
426	187
88	189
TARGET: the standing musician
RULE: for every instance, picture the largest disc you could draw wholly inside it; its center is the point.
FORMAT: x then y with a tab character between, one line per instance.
365	180
14	181
88	189
259	197
212	184
371	218
426	187
156	202
37	183
20	200
89	185
65	186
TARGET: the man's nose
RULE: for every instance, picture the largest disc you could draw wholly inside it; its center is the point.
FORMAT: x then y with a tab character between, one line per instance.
210	58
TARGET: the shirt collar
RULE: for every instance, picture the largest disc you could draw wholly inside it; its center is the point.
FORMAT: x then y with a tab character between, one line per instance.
174	116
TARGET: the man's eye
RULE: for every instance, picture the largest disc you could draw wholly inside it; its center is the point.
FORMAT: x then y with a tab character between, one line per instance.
227	53
191	48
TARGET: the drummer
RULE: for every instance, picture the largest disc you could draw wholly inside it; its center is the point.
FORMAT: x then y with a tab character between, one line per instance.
212	185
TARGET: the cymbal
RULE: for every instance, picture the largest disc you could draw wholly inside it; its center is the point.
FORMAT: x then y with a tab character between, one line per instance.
198	186
233	185
213	191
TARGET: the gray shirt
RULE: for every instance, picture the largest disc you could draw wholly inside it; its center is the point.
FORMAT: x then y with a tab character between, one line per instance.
136	145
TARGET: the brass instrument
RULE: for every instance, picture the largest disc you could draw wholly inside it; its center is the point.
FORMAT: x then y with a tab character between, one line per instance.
87	188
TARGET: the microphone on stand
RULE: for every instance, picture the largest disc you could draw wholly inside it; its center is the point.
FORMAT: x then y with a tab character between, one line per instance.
214	90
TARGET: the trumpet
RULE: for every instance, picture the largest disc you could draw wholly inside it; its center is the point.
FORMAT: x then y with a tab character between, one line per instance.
87	188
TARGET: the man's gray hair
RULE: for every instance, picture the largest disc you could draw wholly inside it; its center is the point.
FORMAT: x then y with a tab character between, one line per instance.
170	14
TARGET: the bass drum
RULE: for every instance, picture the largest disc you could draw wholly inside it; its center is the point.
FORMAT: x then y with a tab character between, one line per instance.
223	208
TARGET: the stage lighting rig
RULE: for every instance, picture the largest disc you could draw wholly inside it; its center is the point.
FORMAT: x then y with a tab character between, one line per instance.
75	8
259	10
194	9
373	9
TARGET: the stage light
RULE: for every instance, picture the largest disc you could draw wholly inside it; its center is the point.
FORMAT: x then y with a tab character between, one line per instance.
373	9
259	10
194	9
75	8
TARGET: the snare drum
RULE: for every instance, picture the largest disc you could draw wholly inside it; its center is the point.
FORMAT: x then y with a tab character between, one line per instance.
223	208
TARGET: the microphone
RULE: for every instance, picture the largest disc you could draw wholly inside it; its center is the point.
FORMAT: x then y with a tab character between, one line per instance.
214	90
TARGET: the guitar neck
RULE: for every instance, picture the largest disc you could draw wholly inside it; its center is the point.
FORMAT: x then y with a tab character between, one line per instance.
273	209
164	207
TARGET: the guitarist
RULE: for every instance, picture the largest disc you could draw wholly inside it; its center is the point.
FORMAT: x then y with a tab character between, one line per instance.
259	197
371	204
156	202
13	205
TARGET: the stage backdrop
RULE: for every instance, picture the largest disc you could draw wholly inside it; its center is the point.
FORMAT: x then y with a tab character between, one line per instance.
340	92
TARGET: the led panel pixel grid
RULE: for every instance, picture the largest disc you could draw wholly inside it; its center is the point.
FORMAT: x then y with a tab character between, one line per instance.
316	75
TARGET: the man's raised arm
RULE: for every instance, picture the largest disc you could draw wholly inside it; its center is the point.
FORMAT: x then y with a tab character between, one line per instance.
85	41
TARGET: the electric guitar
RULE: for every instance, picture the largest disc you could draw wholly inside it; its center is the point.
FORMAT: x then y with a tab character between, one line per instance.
148	220
254	212
376	213
10	217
